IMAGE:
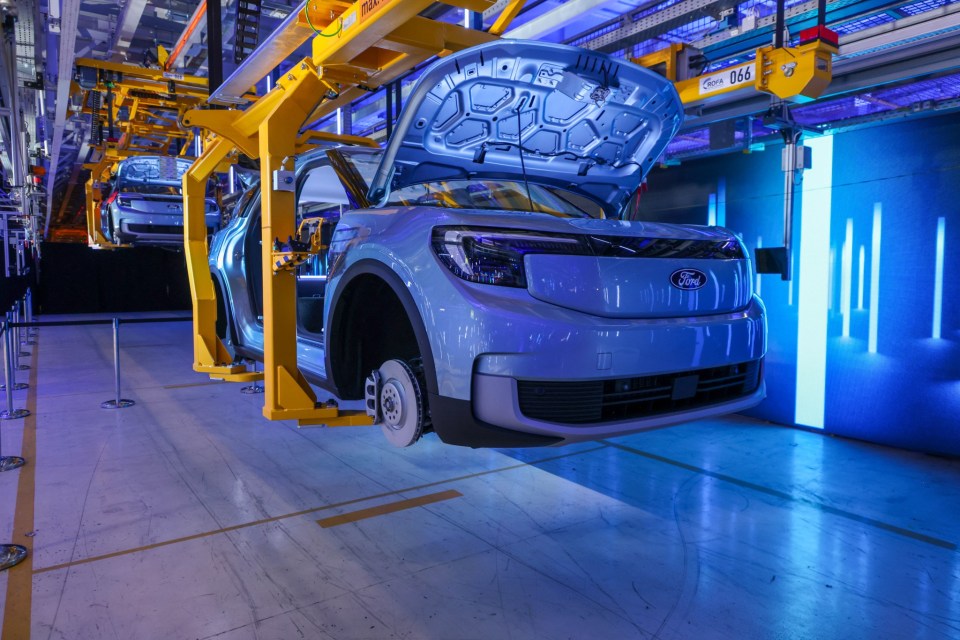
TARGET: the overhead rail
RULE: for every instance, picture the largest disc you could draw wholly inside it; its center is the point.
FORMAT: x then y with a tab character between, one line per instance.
133	111
196	20
356	47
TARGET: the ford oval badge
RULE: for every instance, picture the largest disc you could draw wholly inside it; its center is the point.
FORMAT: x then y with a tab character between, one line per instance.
688	279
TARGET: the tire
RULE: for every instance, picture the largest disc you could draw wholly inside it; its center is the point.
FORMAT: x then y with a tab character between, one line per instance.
114	234
402	408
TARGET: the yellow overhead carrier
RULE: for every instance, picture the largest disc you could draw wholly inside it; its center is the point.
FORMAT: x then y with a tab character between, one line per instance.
789	73
357	47
152	102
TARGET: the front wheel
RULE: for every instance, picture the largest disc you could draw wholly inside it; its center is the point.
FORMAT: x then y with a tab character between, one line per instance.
402	412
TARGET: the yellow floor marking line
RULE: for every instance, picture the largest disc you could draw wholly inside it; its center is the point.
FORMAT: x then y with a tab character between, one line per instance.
19	599
295	514
194	384
390	507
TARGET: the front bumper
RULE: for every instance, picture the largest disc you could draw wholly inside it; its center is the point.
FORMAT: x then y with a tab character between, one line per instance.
680	361
497	403
136	228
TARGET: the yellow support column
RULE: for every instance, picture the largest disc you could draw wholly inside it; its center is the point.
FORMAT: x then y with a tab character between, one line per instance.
287	394
91	220
210	355
95	237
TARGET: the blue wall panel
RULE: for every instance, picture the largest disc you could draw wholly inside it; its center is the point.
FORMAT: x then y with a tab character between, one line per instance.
891	200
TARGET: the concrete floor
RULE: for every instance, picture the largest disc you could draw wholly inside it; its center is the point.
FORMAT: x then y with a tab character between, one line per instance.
189	516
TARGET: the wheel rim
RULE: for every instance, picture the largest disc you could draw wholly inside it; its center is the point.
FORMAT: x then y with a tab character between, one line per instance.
401	404
391	399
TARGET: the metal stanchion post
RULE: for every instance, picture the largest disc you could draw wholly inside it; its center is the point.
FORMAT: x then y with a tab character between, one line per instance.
10	554
22	337
10	381
16	336
15	341
8	355
31	331
9	462
255	387
118	402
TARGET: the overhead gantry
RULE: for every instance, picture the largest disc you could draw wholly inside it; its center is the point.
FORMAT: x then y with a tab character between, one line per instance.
356	48
133	111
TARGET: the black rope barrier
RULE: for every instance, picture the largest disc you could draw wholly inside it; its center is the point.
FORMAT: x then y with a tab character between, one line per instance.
77	323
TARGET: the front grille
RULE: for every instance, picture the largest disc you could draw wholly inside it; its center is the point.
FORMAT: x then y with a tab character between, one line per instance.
630	247
166	229
595	401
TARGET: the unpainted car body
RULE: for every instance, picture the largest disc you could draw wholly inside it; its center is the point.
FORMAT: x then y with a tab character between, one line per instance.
480	282
144	204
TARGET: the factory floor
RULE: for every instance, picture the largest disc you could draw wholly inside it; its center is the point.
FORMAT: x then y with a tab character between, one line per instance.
189	516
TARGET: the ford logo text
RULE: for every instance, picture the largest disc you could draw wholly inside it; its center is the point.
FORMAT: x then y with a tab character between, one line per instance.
688	279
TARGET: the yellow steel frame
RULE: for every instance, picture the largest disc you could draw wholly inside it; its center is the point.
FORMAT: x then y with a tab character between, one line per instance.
790	73
152	123
95	237
365	43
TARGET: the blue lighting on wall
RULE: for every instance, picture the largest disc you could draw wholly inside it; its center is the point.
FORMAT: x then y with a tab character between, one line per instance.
722	202
860	282
873	250
813	286
831	269
875	279
846	275
756	287
938	278
712	210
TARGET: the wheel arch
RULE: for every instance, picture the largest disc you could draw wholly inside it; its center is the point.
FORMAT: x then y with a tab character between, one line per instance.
352	286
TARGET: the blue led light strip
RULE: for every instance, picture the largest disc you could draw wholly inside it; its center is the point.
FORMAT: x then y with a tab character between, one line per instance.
875	278
938	278
846	277
757	277
813	286
712	210
860	283
722	202
831	270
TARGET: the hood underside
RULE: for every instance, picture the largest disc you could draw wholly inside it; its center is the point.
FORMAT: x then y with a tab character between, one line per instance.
547	113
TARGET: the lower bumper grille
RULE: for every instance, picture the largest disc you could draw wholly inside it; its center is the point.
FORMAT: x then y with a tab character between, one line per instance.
160	229
165	229
594	401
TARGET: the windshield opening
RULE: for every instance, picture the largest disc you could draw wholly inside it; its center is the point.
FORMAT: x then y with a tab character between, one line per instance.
152	175
497	195
364	161
154	189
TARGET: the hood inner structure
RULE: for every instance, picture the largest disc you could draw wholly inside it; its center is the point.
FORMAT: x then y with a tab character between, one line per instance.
537	112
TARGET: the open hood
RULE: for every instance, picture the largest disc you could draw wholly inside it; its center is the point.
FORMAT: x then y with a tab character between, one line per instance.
582	120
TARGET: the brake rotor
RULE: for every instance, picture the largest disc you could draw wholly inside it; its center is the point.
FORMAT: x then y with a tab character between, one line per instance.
401	404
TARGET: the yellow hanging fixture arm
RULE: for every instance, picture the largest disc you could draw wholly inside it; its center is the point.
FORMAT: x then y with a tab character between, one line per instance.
210	355
95	237
94	198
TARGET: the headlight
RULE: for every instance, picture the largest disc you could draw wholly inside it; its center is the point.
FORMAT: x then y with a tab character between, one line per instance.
123	201
495	256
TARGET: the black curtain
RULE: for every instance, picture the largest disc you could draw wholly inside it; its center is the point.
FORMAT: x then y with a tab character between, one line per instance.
72	278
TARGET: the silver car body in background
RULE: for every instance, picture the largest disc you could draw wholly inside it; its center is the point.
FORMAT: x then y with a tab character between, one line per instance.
144	205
